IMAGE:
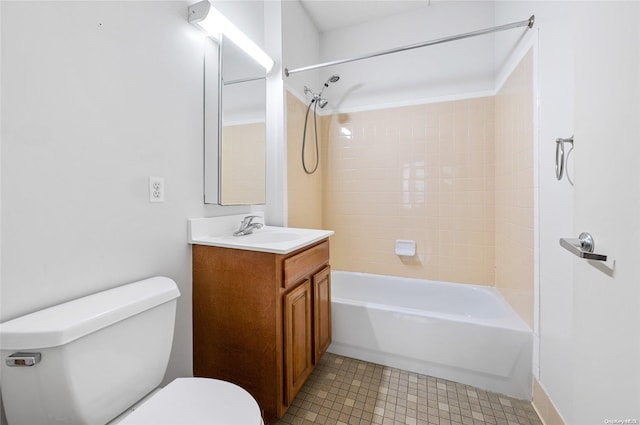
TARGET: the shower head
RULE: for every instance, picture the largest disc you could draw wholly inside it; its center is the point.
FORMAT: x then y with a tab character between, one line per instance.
332	79
317	97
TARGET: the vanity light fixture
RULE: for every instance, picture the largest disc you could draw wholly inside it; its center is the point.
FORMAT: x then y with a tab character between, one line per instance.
215	23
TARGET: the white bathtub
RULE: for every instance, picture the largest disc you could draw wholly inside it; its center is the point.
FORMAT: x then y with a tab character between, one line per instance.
463	333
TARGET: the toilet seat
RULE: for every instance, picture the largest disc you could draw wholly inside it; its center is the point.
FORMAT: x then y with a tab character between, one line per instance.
197	401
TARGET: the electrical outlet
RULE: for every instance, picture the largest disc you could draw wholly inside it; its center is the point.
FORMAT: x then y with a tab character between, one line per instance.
156	189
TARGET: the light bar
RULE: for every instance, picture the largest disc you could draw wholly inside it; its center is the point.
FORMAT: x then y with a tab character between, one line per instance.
215	23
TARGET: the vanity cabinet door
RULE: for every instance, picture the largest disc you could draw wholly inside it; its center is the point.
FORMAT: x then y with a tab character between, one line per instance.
298	360
322	311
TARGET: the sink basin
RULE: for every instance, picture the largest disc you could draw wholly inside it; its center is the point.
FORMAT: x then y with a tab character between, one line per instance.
278	240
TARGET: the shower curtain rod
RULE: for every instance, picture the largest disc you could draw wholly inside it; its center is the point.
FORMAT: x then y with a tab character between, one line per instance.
528	23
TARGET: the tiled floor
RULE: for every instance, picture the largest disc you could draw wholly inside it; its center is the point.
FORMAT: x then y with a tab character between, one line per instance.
347	391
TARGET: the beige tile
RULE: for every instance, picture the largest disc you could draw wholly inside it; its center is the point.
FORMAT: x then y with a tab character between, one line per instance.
455	162
384	396
514	190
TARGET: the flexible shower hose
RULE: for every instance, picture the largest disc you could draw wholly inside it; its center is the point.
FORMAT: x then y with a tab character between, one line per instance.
304	137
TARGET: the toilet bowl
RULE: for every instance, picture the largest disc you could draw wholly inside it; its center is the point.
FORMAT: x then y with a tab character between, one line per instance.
100	357
196	401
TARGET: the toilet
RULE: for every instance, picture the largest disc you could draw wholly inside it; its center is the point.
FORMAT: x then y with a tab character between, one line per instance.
99	360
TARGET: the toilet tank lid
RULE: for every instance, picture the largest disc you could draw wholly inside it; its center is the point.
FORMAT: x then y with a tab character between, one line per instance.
63	323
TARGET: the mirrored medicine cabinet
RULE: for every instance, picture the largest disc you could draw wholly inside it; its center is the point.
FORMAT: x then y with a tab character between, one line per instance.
234	126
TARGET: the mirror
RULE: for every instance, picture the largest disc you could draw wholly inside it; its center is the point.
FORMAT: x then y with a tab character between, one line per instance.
235	111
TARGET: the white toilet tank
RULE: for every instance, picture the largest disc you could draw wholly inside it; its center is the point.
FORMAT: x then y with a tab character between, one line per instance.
98	355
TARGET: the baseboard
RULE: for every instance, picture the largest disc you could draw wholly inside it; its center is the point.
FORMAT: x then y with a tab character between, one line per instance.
544	407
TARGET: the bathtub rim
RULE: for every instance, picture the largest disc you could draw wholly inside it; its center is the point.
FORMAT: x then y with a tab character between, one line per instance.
512	321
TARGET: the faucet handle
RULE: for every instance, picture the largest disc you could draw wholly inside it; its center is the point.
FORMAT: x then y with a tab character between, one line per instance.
247	225
249	219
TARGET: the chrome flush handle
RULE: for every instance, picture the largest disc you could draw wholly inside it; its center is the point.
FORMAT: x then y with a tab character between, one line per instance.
23	359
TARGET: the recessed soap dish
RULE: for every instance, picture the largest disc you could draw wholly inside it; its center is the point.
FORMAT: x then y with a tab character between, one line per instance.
405	248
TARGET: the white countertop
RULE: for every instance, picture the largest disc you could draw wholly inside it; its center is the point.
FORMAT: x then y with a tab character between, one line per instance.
216	231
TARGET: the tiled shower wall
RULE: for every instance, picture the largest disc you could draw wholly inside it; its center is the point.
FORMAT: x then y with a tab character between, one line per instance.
456	177
304	190
422	173
515	189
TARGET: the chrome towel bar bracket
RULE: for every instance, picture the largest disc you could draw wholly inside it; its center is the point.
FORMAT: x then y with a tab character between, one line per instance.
560	158
582	247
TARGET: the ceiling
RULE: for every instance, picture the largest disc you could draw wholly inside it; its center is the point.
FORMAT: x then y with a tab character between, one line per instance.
329	15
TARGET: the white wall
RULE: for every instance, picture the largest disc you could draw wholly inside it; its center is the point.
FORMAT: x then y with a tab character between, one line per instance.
606	323
93	106
300	47
97	97
454	68
576	362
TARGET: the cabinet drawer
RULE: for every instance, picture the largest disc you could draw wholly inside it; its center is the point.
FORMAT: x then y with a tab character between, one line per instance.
303	264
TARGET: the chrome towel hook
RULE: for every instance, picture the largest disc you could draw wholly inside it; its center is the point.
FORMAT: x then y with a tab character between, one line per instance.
560	157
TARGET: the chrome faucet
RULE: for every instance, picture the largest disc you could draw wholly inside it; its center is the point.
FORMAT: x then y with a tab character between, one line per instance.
247	226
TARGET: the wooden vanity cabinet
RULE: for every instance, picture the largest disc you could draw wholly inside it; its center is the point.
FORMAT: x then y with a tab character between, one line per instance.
261	320
322	312
298	352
